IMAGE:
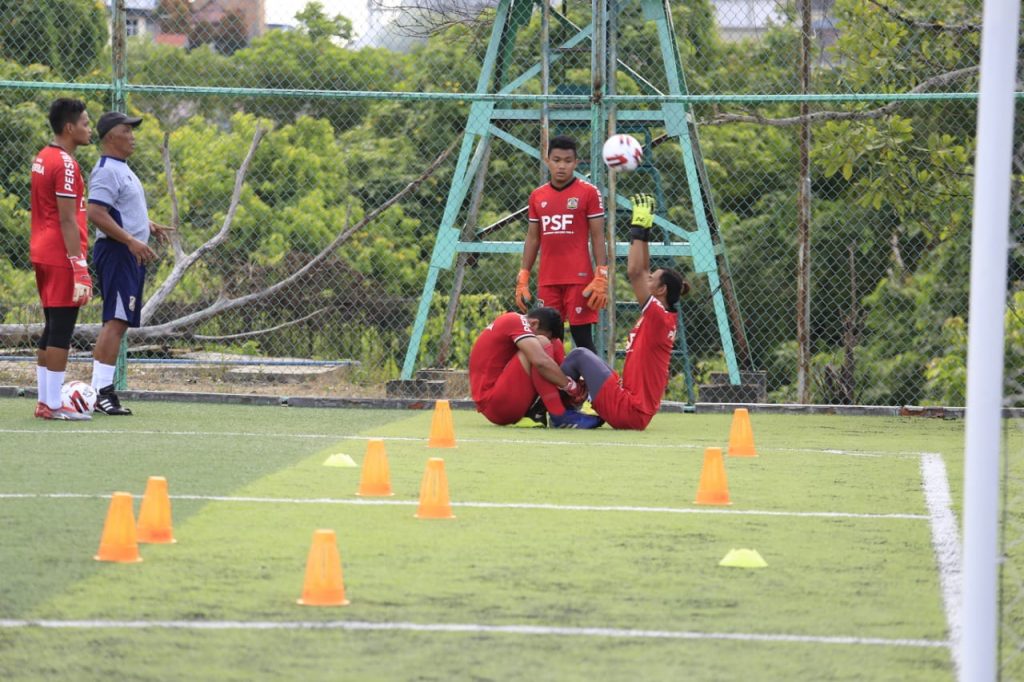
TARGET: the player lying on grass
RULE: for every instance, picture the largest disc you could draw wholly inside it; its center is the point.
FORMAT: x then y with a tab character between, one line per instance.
514	360
630	401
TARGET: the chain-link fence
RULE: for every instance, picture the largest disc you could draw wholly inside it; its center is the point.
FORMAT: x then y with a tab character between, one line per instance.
826	148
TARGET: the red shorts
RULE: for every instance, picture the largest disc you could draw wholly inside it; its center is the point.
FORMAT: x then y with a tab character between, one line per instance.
568	300
619	407
510	396
56	285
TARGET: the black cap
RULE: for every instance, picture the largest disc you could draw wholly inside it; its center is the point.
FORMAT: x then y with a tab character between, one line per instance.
115	118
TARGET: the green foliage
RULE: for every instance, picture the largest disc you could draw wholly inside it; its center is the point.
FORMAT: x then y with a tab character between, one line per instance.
947	372
476	311
65	35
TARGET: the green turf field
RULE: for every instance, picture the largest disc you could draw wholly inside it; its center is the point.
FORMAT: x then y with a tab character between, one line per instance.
574	554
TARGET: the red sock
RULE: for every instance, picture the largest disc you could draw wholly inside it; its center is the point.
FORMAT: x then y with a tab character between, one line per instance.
548	391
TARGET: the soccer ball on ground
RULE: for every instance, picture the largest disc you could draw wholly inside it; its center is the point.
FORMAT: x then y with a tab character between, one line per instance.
622	152
78	396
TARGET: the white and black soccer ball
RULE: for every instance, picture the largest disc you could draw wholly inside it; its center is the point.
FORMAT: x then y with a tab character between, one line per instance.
622	152
78	396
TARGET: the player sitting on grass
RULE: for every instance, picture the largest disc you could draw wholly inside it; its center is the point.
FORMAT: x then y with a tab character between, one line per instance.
631	401
513	360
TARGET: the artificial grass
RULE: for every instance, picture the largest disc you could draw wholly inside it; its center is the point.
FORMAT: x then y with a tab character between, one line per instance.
243	560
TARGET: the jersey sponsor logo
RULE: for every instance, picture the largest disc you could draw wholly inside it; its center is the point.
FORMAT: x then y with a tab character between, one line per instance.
38	167
573	203
556	223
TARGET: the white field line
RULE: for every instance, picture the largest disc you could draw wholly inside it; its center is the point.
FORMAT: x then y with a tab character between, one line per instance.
490	505
946	541
472	628
492	441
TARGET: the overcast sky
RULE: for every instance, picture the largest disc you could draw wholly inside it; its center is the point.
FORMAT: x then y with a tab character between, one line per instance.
283	11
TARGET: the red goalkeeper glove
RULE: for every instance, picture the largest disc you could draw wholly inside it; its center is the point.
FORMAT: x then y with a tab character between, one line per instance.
597	291
577	392
82	292
523	289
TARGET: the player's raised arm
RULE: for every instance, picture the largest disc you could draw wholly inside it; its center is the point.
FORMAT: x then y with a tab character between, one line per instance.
638	262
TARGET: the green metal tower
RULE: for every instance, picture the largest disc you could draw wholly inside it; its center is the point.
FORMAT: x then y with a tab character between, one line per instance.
602	115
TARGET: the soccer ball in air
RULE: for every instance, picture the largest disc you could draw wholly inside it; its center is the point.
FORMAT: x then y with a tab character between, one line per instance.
622	152
78	396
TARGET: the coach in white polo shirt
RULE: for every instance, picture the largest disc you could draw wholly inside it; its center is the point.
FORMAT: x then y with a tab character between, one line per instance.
117	207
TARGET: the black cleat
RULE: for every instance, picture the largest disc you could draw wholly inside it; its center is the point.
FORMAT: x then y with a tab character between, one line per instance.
107	402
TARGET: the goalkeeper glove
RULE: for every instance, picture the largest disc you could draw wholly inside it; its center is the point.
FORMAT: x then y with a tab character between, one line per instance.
597	290
643	217
577	392
82	291
523	289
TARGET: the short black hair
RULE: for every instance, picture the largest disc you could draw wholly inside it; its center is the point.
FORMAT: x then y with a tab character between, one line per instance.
549	320
675	287
562	142
64	111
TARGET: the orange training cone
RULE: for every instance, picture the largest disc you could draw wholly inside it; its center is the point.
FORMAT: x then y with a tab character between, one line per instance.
442	431
713	488
323	585
155	513
375	480
741	436
118	542
434	502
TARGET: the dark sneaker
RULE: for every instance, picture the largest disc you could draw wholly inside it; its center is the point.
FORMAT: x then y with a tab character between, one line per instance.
574	419
107	402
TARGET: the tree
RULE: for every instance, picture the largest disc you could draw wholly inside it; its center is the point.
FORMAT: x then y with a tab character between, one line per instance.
318	26
66	35
174	16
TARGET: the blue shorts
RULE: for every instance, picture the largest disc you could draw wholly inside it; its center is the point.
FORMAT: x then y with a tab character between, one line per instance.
120	281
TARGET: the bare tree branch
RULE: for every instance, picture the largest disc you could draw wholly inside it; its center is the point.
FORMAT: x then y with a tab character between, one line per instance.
425	18
879	112
184	262
225	304
173	195
936	26
88	332
258	332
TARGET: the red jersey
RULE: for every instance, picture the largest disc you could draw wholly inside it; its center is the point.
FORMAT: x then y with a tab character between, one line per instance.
55	173
492	350
563	221
648	351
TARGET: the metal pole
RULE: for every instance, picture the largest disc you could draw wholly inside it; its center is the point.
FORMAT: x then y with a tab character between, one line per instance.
119	55
119	59
989	252
803	239
611	63
545	86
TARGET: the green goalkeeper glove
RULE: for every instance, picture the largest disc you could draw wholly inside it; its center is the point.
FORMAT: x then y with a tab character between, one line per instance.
643	217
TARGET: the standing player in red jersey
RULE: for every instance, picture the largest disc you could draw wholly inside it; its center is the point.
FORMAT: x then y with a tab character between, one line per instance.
631	401
57	250
566	225
514	360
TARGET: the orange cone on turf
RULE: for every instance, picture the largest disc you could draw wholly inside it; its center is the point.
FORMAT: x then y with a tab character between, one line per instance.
375	480
713	487
442	431
155	513
434	502
119	542
324	585
741	436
